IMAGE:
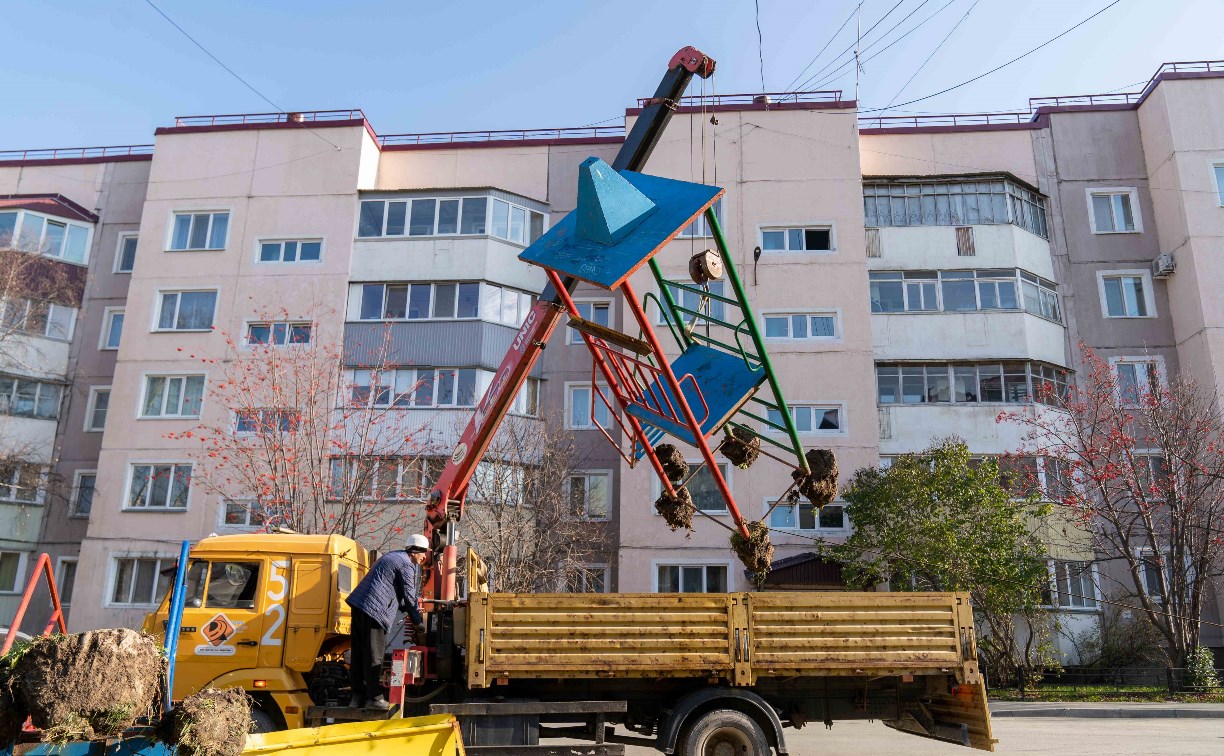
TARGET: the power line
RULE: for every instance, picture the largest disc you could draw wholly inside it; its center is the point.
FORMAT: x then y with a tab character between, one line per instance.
1005	65
858	40
233	73
826	46
932	55
760	43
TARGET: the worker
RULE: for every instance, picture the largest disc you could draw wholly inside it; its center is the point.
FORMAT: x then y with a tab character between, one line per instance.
391	585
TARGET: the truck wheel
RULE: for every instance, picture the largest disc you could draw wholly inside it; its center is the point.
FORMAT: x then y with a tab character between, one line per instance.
724	732
262	721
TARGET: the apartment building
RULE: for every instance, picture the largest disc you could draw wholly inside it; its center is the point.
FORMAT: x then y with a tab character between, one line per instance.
912	277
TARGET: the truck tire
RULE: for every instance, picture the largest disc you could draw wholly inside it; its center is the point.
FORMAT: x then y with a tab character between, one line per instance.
723	732
262	721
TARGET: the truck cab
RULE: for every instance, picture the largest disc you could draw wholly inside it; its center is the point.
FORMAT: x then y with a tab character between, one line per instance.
266	612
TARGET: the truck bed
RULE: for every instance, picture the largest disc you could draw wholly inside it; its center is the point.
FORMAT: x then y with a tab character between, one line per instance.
738	637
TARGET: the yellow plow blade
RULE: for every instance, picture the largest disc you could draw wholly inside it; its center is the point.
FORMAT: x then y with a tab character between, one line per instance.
436	735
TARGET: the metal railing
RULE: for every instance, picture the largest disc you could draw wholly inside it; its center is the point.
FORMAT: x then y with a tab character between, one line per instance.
508	135
1137	681
69	153
950	119
303	116
757	98
1129	98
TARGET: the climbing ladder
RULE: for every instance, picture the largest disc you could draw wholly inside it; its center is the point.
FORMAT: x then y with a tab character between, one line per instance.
622	221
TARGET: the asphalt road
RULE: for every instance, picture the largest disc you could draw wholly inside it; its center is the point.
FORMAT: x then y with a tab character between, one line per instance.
1023	736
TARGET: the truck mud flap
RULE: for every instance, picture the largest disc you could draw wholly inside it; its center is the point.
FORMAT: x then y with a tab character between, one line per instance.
962	717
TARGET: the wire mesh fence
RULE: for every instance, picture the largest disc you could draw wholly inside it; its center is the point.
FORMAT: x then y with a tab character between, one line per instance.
1152	681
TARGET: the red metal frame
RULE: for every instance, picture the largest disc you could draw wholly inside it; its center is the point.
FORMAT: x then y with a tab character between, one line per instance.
57	615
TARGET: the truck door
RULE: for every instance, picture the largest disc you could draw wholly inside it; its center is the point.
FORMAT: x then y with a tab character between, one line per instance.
226	618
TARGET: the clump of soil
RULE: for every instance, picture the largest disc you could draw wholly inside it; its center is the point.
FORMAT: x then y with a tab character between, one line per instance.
88	685
12	711
210	723
741	448
677	510
820	485
674	466
755	551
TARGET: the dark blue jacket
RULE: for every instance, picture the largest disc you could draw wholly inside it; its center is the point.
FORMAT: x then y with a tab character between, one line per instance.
389	586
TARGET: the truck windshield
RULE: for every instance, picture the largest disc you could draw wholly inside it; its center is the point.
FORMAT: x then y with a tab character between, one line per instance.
222	585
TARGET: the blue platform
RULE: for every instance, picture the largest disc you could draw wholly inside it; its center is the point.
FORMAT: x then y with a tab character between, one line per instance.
725	380
134	746
622	220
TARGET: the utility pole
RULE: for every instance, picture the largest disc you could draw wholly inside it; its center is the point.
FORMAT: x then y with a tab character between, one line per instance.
858	40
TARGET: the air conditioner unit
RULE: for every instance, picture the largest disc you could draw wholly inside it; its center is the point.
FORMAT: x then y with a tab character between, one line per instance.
1163	266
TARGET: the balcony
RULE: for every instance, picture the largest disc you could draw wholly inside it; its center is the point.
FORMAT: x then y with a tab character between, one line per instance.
908	428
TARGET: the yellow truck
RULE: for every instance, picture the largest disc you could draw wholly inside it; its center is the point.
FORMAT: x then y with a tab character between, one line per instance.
681	672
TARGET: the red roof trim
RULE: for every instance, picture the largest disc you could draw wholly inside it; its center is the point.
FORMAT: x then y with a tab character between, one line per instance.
833	105
1026	126
50	204
500	143
310	125
76	161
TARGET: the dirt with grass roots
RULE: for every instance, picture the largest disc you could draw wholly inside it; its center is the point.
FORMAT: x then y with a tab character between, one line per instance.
677	510
755	551
672	460
819	486
210	723
741	448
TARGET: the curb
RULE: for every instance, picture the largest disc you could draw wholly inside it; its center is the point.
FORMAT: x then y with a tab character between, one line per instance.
1112	713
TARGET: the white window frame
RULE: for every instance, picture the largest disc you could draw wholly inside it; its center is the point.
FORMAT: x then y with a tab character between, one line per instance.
248	506
23	328
570	386
131	475
211	213
259	242
388	378
289	324
1136	214
113	575
603	567
1056	588
728	470
1212	167
1149	292
587	475
144	389
90	406
830	226
23	213
699	223
835	313
159	295
59	577
572	336
1157	363
435	234
845	529
119	253
41	493
76	492
655	564
841	409
108	315
23	558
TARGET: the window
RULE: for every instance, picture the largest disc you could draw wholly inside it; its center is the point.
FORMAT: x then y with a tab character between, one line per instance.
587	578
95	410
1074	585
812	239
803	516
697	302
278	333
244	514
579	400
1114	211
297	250
37	318
159	486
1007	382
706	496
1217	171
1153	567
267	421
963	291
65	579
444	301
12	569
172	396
1019	475
44	235
21	397
802	326
416	387
596	312
83	492
811	418
953	202
1058	482
700	227
1137	377
21	482
125	255
141	581
450	216
1040	297
112	328
1127	294
527	401
384	478
195	231
186	310
691	578
231	585
589	494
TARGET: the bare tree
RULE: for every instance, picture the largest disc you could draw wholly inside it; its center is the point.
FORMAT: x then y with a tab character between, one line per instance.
37	296
1143	469
535	518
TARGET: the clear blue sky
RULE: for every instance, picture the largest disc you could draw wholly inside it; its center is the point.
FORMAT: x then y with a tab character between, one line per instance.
82	73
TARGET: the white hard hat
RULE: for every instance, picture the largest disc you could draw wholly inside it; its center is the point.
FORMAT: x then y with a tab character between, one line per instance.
417	542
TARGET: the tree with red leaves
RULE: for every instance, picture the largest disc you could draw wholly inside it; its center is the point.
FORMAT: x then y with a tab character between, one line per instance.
1142	468
297	445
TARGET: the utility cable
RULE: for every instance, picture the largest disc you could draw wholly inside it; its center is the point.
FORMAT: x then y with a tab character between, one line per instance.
760	43
938	47
826	46
231	72
858	41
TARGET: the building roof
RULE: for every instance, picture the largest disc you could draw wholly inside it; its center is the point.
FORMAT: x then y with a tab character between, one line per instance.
51	204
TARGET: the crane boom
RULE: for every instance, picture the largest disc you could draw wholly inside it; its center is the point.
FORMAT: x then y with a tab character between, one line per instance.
445	506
